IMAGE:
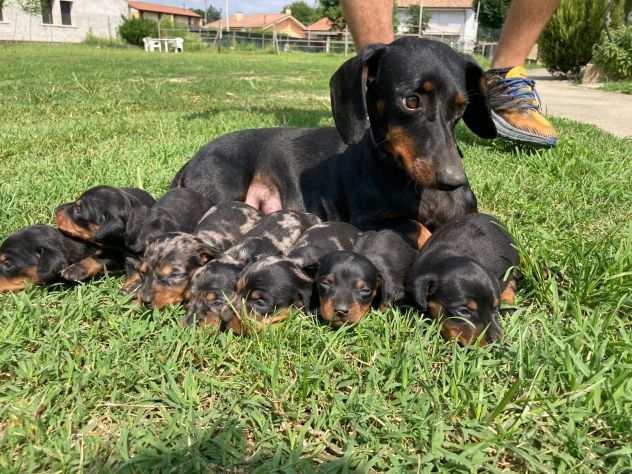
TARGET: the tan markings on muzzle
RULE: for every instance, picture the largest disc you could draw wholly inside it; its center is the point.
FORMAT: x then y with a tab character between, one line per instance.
70	227
167	295
327	309
508	296
402	146
19	282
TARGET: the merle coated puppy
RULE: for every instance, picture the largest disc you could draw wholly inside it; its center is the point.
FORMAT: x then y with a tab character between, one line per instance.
108	216
320	240
393	158
211	294
170	260
462	273
266	289
41	254
373	275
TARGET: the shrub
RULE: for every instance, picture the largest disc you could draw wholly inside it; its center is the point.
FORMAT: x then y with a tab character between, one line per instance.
133	30
615	57
168	29
567	42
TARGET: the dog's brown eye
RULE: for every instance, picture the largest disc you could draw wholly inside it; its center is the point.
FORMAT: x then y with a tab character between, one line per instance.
412	102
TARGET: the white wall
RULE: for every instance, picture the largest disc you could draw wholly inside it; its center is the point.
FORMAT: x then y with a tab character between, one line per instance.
457	24
101	17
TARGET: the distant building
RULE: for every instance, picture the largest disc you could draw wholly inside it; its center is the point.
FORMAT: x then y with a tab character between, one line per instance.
321	29
453	21
64	21
153	11
283	23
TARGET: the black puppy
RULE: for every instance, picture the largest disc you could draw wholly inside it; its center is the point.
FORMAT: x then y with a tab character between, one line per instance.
266	289
179	210
170	261
395	108
41	254
460	274
320	240
373	275
108	216
211	293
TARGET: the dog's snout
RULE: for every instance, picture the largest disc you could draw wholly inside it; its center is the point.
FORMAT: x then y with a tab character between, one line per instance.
451	178
342	310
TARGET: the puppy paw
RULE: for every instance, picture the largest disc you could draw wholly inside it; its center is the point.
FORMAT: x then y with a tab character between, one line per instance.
75	272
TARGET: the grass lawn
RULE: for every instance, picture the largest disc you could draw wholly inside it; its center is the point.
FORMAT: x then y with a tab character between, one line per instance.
618	86
90	382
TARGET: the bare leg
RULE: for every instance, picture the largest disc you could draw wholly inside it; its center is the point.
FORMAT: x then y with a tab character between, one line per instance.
525	21
370	21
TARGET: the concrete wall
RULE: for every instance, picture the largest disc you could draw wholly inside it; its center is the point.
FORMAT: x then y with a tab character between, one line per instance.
101	17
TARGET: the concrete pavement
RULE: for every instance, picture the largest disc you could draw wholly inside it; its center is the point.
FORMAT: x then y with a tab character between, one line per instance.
610	111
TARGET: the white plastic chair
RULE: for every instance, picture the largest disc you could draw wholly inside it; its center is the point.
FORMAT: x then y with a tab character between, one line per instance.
151	44
179	45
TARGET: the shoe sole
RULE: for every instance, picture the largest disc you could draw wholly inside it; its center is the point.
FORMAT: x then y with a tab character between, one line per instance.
508	131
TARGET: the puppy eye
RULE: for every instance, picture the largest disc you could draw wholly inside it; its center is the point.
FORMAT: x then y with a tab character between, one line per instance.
364	292
412	102
324	285
101	219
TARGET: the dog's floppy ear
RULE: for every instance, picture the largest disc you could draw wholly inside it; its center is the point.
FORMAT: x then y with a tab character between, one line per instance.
50	263
421	288
478	114
348	94
113	228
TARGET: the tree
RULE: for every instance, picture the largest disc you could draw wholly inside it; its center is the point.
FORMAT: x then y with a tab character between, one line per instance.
303	12
212	13
332	10
491	13
413	18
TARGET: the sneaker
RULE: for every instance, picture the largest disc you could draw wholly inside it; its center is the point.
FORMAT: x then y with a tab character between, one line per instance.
517	108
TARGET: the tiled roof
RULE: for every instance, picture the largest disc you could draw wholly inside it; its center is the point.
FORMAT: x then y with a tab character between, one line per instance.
324	24
436	3
154	7
260	20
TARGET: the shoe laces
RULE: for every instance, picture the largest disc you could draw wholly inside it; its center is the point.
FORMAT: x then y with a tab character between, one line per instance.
516	93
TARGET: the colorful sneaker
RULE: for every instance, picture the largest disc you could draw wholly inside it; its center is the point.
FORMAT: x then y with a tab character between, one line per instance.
517	108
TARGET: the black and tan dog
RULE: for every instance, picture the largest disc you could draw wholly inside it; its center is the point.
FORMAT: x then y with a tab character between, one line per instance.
393	160
41	254
108	216
320	240
170	261
211	296
349	284
461	277
267	289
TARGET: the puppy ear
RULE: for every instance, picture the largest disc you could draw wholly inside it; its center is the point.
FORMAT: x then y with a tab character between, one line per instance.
348	93
205	253
113	228
136	218
478	114
422	288
50	264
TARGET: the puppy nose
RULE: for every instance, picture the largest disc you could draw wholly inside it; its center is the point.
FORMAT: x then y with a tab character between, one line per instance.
451	178
342	310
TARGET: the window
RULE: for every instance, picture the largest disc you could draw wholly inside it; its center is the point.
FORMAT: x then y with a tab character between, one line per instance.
66	7
1	17
47	12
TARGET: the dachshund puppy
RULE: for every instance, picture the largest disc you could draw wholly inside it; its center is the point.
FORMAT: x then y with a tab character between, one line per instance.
267	288
111	217
374	275
170	261
460	275
212	290
41	254
320	240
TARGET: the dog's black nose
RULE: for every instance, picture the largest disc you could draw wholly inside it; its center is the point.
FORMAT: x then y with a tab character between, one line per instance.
450	178
342	310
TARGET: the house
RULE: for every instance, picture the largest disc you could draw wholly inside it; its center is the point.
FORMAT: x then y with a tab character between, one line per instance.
153	11
64	21
283	23
321	29
453	21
